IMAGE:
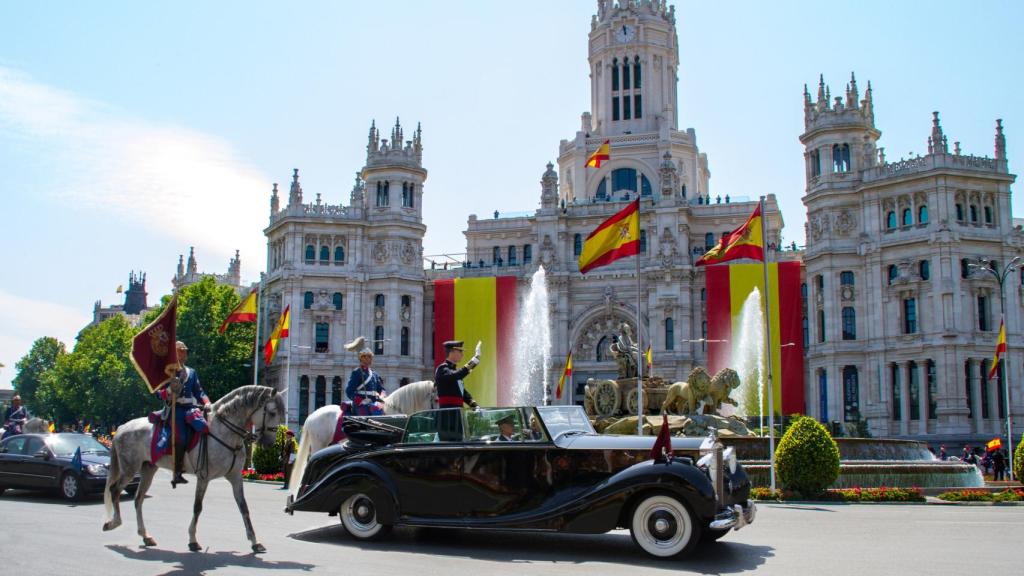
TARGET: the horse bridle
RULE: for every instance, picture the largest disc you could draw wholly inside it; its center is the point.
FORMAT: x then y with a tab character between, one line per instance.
242	433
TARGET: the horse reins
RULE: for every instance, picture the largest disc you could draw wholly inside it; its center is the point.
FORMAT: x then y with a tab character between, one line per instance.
202	460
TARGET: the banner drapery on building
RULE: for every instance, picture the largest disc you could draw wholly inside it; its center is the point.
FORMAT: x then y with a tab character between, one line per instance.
154	350
728	287
479	309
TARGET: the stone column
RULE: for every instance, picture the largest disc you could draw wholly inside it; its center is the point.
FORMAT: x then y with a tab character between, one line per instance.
972	367
922	395
904	370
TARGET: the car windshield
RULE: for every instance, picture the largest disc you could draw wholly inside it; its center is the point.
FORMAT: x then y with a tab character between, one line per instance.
565	419
66	444
507	424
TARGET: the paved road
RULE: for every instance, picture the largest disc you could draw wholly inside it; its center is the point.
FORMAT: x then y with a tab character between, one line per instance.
44	535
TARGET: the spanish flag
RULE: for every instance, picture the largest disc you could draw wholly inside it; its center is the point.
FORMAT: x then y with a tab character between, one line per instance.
1000	349
648	356
994	444
244	312
52	427
616	237
743	242
280	331
484	310
602	154
566	375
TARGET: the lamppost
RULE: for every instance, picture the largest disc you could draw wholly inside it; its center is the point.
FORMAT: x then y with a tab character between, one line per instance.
991	266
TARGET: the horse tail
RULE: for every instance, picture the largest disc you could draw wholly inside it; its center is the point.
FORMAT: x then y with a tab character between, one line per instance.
299	468
113	477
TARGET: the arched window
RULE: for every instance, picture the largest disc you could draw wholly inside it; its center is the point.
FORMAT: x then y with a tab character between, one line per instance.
577	244
602	190
846	278
623	179
908	217
321	392
894	272
851	394
849	323
339	255
378	300
615	75
325	254
511	255
406	301
890	220
602	346
323	331
303	398
338	300
974	213
310	252
670	334
840	158
625	76
405	341
709	241
643	241
382	194
822	395
922	214
307	300
914	381
815	158
909	315
897	392
988	214
378	340
924	269
931	388
527	253
960	212
336	390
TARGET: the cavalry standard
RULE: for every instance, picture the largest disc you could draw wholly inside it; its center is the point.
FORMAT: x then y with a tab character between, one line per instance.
525	468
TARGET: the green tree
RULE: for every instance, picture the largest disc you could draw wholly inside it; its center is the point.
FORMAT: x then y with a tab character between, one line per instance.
223	361
807	459
32	369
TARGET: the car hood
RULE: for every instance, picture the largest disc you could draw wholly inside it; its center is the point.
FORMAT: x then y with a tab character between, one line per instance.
615	442
88	459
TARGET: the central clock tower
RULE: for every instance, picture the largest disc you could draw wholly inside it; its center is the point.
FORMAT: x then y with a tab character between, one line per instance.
634	63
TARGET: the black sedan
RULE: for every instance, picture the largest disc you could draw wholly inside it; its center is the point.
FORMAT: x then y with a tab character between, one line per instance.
525	468
47	462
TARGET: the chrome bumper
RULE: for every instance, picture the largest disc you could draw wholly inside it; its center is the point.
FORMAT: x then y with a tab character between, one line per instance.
288	507
735	517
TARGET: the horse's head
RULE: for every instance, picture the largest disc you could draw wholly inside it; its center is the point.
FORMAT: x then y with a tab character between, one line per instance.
268	418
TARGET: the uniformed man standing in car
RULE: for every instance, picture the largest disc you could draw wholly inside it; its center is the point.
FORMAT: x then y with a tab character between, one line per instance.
451	392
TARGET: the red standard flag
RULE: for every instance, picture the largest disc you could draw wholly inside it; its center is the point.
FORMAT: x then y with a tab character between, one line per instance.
154	353
244	312
743	242
566	375
280	331
1000	350
602	154
663	445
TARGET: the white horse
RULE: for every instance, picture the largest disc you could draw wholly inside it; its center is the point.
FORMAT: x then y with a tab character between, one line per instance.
225	456
318	430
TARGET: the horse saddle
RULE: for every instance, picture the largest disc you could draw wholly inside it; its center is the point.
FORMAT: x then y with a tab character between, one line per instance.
161	444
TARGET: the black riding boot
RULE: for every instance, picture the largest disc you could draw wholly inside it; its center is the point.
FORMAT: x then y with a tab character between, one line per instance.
179	463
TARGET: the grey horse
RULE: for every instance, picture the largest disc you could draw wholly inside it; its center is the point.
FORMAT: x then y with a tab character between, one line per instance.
229	423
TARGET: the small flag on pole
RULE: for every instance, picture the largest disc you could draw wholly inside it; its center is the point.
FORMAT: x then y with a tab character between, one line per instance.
566	375
602	154
662	448
52	428
280	331
648	356
994	444
76	460
743	242
86	430
244	312
1000	350
120	288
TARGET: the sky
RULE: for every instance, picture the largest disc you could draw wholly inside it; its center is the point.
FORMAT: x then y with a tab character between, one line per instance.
130	132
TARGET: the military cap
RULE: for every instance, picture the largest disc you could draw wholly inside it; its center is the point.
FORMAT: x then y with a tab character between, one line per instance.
510	419
453	345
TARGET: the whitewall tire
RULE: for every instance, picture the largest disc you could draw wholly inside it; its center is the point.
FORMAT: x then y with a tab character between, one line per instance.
664	527
358	515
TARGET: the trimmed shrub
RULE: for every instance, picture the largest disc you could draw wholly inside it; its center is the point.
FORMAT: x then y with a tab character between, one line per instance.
807	459
1018	459
268	460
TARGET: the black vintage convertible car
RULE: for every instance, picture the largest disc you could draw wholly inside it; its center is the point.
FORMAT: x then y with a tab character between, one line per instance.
525	468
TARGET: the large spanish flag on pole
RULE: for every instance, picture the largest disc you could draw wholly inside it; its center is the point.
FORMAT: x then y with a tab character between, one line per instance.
280	331
743	242
616	237
479	309
1000	350
566	375
728	287
602	154
244	312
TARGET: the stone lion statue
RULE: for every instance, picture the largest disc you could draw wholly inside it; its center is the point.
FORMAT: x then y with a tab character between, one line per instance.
722	384
688	397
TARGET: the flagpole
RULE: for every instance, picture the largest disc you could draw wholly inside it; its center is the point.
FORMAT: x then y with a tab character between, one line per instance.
639	333
768	346
256	348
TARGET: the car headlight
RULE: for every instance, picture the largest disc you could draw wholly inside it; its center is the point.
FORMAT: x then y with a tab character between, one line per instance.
96	469
729	456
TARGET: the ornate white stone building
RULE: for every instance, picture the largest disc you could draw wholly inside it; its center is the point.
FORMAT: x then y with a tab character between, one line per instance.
902	329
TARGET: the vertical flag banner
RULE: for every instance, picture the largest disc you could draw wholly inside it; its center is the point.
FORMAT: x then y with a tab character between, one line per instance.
743	242
1000	350
602	154
728	287
244	312
154	353
647	355
566	375
280	331
479	309
616	237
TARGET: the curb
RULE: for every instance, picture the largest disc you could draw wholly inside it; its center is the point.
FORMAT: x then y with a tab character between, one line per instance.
271	482
932	501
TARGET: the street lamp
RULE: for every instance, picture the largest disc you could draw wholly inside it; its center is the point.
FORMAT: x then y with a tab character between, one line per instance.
991	266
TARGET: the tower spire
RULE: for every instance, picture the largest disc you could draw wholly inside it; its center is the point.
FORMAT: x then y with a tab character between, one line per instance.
1000	140
295	194
937	140
275	202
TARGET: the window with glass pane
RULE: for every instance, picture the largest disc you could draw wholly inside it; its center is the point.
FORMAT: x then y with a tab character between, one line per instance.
974	213
310	252
849	323
960	212
623	179
965	268
511	255
577	244
985	365
846	278
897	392
636	74
851	394
890	220
406	301
303	398
932	387
378	300
325	253
709	241
339	254
821	325
637	107
967	389
924	268
909	315
670	334
615	74
307	300
625	76
908	217
643	241
922	214
338	300
405	341
815	163
321	392
627	108
602	189
819	282
983	320
322	333
378	340
645	186
915	391
615	107
527	253
336	390
894	273
495	254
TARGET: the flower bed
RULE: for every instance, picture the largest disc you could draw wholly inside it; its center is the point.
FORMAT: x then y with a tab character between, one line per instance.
882	494
251	474
975	495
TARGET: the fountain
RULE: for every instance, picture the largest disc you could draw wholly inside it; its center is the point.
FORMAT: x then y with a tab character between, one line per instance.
750	349
533	346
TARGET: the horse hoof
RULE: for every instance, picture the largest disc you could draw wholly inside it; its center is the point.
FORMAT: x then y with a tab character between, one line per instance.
258	548
195	547
148	541
108	526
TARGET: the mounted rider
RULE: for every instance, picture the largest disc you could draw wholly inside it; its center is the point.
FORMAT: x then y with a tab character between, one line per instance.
365	386
192	406
14	417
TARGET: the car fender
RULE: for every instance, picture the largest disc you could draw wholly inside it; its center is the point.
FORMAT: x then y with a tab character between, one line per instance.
349	478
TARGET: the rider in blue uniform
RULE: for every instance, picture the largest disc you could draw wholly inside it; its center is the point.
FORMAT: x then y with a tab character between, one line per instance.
14	417
365	387
192	406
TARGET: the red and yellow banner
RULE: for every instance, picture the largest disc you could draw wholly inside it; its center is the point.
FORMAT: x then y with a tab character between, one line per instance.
484	310
743	242
154	351
727	289
280	331
602	154
616	237
1000	350
566	375
994	444
244	312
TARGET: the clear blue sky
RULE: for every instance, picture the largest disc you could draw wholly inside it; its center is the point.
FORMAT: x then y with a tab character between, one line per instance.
130	131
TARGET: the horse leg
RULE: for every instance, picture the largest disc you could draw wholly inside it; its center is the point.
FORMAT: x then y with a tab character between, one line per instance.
236	487
197	508
148	472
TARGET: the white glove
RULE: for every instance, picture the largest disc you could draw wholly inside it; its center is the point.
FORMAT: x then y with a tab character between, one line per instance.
478	348
473	362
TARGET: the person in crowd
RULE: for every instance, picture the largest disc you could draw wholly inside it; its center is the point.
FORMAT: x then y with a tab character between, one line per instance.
287	456
14	417
506	429
998	465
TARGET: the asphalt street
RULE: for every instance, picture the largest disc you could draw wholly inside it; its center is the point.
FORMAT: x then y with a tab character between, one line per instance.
43	535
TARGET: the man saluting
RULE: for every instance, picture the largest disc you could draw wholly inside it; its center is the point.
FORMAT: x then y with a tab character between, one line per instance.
451	392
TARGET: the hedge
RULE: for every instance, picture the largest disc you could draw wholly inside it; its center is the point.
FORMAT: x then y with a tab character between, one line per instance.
807	459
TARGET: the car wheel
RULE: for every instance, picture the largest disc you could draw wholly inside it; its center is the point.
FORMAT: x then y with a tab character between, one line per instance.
359	517
664	527
71	487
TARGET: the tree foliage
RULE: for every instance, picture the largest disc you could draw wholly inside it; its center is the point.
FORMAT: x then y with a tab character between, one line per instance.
1018	459
807	459
268	460
33	368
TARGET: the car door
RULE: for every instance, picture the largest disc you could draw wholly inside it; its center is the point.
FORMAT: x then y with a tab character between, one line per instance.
40	467
426	467
11	461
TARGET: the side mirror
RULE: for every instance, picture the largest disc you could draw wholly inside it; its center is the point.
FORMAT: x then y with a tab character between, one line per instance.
44	454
